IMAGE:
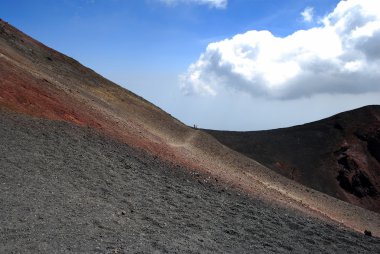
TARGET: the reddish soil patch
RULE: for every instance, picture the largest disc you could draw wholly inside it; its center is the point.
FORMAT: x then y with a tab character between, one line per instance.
23	93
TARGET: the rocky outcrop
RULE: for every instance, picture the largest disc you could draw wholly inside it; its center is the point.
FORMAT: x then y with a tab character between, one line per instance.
373	142
353	179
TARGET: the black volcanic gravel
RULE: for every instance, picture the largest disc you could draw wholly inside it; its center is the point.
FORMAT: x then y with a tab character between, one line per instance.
66	189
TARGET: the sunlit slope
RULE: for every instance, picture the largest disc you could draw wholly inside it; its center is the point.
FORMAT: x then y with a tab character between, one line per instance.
41	82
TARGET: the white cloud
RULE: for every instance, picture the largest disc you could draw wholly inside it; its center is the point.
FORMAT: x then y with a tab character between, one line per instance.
219	4
307	14
342	55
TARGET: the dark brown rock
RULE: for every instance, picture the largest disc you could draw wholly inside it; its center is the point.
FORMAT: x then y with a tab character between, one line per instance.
339	155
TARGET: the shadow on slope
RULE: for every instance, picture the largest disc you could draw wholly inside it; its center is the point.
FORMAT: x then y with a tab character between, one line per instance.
339	156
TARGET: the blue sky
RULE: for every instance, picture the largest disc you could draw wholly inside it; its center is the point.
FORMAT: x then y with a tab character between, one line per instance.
146	45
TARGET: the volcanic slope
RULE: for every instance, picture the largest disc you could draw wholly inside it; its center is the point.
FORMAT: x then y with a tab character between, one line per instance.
66	188
38	82
339	156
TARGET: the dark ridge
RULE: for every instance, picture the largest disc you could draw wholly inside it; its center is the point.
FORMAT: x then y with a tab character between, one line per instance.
339	155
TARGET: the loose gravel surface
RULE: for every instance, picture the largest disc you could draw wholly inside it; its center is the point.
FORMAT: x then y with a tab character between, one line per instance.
66	189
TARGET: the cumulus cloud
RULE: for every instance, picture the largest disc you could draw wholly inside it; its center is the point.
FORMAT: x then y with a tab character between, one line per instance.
341	55
219	4
307	14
